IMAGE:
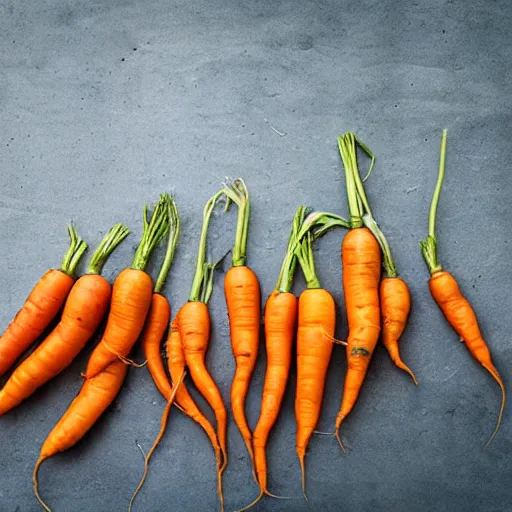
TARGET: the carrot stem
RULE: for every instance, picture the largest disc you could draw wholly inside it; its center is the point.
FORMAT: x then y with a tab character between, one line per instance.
201	267
307	261
237	192
387	262
112	239
153	232
77	248
429	245
174	231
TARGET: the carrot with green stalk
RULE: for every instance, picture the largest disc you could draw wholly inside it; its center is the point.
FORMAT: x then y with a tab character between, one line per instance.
243	298
395	298
42	305
448	296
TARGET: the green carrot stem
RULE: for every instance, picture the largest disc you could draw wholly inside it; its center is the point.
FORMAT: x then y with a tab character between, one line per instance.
306	259
174	231
111	240
237	192
196	293
77	248
429	245
153	232
388	262
287	272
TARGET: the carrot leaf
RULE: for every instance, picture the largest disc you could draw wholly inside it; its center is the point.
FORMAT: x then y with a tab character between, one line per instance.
429	245
112	239
153	232
174	231
77	248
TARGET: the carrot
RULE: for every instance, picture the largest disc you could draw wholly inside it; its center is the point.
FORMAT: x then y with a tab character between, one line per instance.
95	396
316	324
160	312
361	260
243	298
395	298
280	321
448	296
131	297
194	329
176	364
85	307
41	306
161	432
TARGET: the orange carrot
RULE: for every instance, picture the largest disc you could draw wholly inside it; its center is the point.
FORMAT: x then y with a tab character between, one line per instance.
194	329
41	306
85	307
93	399
361	275
176	363
449	298
160	312
316	324
131	297
242	291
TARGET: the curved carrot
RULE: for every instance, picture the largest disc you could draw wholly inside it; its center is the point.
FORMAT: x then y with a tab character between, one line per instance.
41	306
93	399
361	261
449	298
131	297
85	307
243	298
176	363
160	312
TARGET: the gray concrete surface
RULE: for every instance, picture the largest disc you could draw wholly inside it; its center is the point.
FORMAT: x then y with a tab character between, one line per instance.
106	104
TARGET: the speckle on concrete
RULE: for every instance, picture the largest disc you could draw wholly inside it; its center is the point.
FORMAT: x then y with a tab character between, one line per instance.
106	104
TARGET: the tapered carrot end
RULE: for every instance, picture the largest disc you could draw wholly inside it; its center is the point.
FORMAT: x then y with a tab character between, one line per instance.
400	364
219	486
338	437
253	503
303	473
35	485
492	370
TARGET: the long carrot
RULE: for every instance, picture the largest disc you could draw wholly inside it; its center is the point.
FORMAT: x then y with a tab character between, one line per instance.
85	307
361	260
449	298
243	299
159	315
131	297
316	325
93	399
280	321
41	306
194	329
176	364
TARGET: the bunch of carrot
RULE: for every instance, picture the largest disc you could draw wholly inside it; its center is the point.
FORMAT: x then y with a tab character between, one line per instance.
377	302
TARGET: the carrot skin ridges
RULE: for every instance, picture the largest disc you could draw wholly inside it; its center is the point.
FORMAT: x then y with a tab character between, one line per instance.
280	327
361	274
131	300
242	291
316	324
194	328
395	303
157	323
40	308
93	399
83	312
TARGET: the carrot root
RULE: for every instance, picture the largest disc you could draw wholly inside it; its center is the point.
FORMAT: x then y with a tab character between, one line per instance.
303	474
35	485
400	364
498	379
163	426
338	437
253	503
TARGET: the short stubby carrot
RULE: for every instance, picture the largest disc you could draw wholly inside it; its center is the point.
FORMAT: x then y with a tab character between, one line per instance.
41	306
131	297
84	310
395	303
448	296
93	399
